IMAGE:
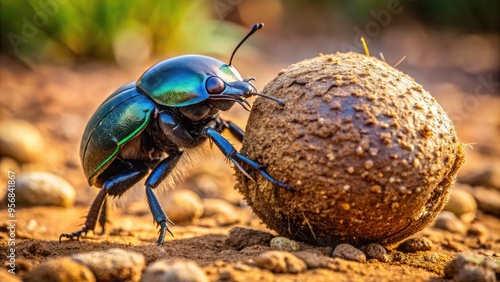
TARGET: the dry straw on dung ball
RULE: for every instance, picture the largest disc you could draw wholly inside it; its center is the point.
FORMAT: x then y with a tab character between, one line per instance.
371	153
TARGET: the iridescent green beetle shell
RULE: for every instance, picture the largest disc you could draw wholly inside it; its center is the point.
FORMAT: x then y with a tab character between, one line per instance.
121	117
180	81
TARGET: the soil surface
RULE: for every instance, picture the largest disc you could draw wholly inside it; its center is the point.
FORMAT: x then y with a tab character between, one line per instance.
60	100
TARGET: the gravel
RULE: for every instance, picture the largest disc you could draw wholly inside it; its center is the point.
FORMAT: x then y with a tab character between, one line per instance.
240	238
348	252
113	264
280	262
284	244
174	270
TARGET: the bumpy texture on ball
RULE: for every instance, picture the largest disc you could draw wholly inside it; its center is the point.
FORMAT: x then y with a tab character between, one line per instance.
371	153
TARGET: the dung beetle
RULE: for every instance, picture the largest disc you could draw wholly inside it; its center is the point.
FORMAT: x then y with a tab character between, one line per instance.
146	125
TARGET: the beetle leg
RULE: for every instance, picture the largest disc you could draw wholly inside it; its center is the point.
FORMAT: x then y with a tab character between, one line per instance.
230	152
103	216
154	179
115	186
235	130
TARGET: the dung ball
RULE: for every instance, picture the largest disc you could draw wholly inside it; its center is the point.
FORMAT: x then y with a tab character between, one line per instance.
371	154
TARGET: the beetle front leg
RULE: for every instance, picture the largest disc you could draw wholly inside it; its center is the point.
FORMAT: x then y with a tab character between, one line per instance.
155	178
230	152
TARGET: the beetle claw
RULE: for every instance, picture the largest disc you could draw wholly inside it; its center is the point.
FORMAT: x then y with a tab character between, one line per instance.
164	228
76	234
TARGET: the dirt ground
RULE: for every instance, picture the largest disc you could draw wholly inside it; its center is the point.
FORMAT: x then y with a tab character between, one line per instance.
59	101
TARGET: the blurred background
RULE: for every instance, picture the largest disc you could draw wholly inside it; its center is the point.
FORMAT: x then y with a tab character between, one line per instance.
60	59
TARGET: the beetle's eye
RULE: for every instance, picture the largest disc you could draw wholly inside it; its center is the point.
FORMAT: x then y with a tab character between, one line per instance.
215	85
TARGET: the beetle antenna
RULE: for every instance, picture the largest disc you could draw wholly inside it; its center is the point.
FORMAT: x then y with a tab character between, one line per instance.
281	102
255	27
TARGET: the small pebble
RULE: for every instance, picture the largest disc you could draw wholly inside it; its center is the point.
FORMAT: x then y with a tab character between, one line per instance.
183	206
113	264
313	259
448	221
224	212
20	140
488	200
475	273
60	270
454	266
174	270
488	177
240	238
477	229
44	189
414	245
284	244
348	252
376	251
280	262
462	204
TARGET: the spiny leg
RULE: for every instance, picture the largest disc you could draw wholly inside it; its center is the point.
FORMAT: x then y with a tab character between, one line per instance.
91	217
115	186
103	216
230	152
155	178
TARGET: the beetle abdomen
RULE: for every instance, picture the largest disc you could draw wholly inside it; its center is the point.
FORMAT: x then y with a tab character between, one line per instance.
120	118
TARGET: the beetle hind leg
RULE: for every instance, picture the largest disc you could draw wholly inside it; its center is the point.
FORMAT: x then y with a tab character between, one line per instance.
114	186
103	216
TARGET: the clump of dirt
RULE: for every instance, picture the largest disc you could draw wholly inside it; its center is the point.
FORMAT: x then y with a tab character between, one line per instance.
371	153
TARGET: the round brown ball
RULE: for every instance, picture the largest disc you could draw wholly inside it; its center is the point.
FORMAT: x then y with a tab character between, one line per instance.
371	153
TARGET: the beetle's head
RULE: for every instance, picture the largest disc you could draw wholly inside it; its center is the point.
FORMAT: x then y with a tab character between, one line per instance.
189	80
228	88
224	93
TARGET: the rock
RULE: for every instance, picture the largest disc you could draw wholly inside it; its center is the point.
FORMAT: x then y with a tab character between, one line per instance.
222	211
20	140
448	221
376	251
488	200
113	264
414	245
183	206
284	244
60	270
474	273
313	259
44	189
477	229
489	177
240	238
456	265
174	270
462	204
280	262
348	252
